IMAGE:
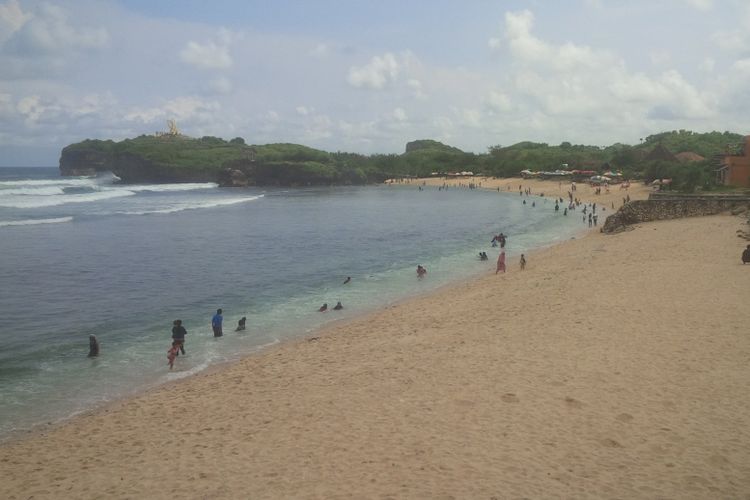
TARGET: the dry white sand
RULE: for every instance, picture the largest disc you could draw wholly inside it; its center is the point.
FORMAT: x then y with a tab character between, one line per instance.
612	367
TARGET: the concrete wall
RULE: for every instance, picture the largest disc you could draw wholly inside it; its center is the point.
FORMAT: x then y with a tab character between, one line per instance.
668	206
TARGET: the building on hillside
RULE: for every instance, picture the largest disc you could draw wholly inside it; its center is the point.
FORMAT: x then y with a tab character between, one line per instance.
689	157
734	170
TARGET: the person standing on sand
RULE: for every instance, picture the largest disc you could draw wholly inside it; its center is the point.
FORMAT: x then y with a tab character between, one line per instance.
216	323
523	262
500	263
746	255
178	335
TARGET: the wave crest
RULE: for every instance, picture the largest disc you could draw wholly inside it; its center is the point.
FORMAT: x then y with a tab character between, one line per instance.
34	222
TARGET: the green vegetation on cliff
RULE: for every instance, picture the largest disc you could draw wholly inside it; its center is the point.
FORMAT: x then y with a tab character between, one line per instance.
161	158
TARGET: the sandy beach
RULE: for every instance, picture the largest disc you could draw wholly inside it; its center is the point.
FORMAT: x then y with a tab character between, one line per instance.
612	367
611	199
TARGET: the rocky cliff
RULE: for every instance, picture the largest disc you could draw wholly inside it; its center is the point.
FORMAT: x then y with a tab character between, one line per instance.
148	159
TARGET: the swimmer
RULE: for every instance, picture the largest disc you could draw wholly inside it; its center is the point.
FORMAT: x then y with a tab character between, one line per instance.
421	271
93	346
323	308
241	324
347	280
338	306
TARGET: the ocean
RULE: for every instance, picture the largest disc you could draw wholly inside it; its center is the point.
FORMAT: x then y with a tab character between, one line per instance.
85	256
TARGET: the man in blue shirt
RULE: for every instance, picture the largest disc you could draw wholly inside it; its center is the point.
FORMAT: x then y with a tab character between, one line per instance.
216	323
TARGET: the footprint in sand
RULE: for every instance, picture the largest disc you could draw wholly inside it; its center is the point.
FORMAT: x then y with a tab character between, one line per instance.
573	403
624	417
510	398
611	443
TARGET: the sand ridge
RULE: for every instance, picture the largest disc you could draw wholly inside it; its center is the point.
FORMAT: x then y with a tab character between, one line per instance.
613	367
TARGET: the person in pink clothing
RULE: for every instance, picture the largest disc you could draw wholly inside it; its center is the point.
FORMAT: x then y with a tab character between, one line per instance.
500	262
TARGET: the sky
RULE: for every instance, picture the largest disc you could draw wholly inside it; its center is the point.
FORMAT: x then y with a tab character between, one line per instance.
368	76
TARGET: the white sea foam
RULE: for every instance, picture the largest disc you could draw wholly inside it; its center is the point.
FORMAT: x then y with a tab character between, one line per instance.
33	222
191	206
160	188
88	181
33	191
51	201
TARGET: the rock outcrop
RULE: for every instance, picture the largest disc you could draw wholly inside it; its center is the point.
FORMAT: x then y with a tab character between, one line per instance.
676	206
84	162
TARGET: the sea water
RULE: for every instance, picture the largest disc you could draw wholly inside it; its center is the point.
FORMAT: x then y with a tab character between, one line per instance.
82	256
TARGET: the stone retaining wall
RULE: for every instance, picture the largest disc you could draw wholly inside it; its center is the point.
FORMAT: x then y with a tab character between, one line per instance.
668	206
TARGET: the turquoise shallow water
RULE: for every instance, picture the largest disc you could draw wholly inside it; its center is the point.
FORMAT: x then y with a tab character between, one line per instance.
87	256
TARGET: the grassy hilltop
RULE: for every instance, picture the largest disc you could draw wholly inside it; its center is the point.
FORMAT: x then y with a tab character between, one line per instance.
170	158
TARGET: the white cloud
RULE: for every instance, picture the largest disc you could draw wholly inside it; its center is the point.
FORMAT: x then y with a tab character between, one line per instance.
380	71
400	115
660	57
320	50
708	65
208	55
470	118
498	101
221	85
181	109
416	88
320	127
579	81
303	110
731	40
31	107
49	30
703	5
12	18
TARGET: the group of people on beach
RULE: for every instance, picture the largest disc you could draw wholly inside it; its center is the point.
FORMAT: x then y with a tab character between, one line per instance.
502	239
339	306
179	332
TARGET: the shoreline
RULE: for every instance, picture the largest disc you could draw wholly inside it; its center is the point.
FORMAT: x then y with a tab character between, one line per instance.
536	185
615	365
52	423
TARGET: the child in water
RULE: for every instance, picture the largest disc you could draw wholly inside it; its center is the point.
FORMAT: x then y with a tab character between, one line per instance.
172	354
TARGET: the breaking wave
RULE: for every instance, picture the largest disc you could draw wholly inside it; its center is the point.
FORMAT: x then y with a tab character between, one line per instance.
33	222
160	188
30	201
190	206
31	191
